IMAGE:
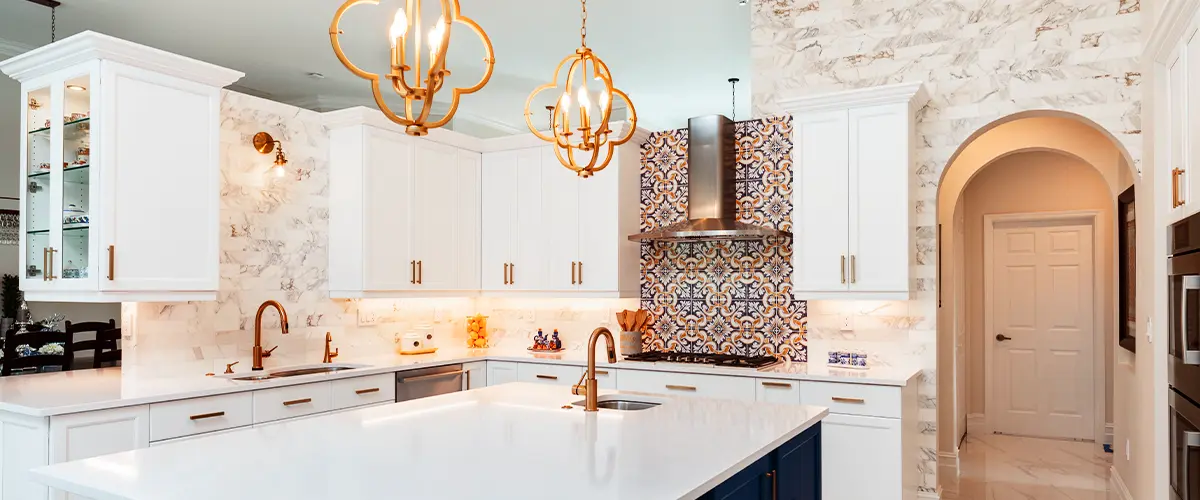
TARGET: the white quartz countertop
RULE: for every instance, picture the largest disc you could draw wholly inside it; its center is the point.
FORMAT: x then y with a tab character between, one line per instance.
508	441
58	393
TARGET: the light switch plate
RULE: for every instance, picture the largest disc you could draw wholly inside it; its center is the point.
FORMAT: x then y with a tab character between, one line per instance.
846	322
367	318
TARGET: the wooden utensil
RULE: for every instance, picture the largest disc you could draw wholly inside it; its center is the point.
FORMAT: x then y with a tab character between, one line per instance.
640	321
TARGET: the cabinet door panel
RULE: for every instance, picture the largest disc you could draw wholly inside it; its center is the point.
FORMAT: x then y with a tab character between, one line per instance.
434	216
466	203
499	217
560	218
853	448
798	467
1192	127
1177	106
387	229
162	238
879	187
78	436
751	483
529	261
499	372
820	198
599	234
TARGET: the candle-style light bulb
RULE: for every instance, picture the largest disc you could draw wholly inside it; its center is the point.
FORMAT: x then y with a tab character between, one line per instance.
399	27
564	103
435	38
584	107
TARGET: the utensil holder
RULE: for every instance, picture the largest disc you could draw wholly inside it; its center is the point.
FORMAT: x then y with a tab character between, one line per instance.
631	343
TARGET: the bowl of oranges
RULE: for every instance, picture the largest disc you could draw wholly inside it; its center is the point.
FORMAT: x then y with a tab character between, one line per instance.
477	332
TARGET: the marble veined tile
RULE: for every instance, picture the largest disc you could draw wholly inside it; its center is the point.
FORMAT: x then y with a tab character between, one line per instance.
997	467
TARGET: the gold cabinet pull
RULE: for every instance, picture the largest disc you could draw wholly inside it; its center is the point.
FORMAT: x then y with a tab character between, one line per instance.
843	269
681	388
856	401
45	265
420	272
203	416
51	268
773	475
581	273
505	273
297	402
853	270
413	271
1176	200
601	372
783	385
572	272
360	392
112	266
547	377
511	273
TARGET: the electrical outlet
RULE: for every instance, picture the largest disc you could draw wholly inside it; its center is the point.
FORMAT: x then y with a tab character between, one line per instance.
1149	330
367	318
846	322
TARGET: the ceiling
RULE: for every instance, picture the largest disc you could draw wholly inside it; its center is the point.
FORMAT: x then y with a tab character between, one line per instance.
672	57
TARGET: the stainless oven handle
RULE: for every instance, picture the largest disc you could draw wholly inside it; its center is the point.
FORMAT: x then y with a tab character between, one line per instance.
1190	356
435	375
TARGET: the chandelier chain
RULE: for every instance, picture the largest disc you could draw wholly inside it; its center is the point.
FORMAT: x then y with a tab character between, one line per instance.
53	23
583	25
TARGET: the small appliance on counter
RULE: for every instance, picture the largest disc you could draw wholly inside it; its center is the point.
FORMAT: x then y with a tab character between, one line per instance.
714	360
418	341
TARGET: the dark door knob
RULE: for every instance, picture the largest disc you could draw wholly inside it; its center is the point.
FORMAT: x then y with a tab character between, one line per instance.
1001	337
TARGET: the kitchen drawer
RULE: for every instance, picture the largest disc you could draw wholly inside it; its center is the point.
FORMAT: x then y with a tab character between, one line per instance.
687	384
853	399
606	378
777	391
197	436
549	374
172	419
360	391
292	401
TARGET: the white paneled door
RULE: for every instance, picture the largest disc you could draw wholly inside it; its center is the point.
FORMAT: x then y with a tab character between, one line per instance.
1039	327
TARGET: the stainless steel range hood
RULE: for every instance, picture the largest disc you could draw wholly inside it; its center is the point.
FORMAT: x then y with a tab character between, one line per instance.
712	205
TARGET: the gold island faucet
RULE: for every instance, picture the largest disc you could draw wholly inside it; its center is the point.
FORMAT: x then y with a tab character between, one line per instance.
587	383
283	324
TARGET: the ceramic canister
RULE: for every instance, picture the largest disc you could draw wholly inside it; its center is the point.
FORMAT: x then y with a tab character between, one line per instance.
631	343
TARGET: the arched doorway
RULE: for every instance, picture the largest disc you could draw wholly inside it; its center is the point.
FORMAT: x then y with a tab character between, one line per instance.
1025	142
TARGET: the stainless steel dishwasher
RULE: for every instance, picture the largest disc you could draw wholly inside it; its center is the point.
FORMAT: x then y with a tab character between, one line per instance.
417	384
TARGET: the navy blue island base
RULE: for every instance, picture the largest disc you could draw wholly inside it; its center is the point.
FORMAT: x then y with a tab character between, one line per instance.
790	472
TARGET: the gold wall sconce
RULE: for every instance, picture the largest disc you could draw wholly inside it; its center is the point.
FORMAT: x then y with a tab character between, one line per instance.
264	143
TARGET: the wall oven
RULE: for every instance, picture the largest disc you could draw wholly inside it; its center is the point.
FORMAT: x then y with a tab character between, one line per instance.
1184	367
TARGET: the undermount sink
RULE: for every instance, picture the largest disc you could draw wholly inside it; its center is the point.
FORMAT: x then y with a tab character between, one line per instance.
293	372
622	403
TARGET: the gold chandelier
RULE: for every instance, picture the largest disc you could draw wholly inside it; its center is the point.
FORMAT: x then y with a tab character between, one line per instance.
584	146
403	27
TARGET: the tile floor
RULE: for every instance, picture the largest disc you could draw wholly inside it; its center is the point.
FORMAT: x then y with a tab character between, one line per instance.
1017	468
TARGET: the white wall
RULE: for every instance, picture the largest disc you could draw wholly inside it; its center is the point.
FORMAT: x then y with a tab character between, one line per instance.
1025	183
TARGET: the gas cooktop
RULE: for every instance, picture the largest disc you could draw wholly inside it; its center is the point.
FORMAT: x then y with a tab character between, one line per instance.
721	360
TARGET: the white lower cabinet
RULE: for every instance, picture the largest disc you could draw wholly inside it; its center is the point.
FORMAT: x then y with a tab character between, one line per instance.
687	384
188	417
476	375
292	401
501	372
548	374
855	447
362	391
777	391
78	436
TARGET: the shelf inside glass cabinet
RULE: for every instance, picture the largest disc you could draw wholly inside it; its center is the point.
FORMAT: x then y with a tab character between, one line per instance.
68	128
70	168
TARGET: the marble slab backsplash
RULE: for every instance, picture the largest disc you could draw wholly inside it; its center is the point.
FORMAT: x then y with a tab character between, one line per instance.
274	245
980	62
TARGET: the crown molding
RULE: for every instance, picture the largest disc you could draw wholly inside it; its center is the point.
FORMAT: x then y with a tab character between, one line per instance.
363	116
10	48
913	93
1174	22
90	45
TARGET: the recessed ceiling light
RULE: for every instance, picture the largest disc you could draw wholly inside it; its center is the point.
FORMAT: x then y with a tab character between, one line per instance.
77	88
316	76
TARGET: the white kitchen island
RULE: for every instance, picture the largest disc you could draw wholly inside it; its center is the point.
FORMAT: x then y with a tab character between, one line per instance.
510	441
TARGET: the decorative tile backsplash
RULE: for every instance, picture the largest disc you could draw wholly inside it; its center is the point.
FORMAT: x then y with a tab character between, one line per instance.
723	296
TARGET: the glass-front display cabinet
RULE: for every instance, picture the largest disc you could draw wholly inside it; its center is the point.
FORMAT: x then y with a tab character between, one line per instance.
59	251
120	170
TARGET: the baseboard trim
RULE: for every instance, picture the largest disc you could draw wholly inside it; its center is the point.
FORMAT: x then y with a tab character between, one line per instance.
1117	485
1108	433
948	465
927	495
977	424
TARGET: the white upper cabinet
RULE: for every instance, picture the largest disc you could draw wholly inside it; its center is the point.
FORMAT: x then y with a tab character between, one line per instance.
404	216
548	231
120	172
852	192
1174	48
